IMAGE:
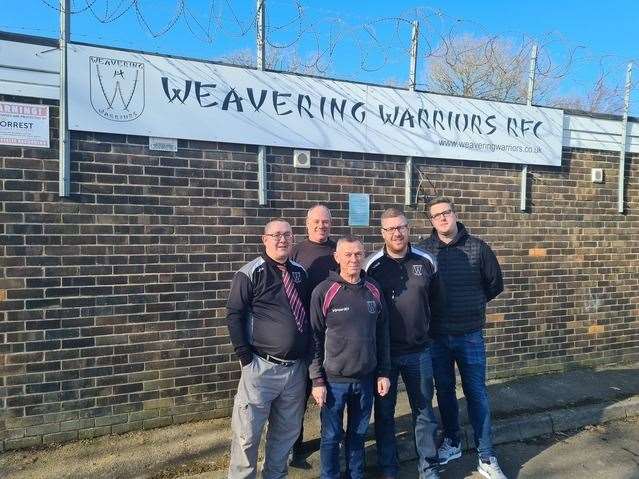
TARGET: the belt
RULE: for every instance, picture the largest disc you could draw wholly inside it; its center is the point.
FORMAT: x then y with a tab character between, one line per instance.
274	360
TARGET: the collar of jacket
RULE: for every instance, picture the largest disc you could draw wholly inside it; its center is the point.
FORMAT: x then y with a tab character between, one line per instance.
328	243
335	276
461	233
274	263
403	258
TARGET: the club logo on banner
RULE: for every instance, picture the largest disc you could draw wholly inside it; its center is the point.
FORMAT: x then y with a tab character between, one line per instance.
117	88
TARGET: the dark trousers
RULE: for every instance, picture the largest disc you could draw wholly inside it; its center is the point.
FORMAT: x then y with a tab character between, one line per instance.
417	373
298	447
468	351
357	399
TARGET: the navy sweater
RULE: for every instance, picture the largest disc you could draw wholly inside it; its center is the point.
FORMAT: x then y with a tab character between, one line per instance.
317	259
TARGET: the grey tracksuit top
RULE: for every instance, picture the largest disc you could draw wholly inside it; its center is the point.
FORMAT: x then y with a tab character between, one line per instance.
350	331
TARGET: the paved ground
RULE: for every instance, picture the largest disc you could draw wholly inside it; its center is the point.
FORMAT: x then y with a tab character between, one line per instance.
609	451
522	409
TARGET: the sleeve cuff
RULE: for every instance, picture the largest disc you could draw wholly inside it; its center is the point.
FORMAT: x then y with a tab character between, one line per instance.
319	382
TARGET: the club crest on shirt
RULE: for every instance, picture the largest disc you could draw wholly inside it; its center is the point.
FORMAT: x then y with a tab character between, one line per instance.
297	276
372	306
417	269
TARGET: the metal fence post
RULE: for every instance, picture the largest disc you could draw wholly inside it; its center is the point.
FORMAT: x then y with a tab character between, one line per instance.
624	141
412	83
523	192
64	154
262	192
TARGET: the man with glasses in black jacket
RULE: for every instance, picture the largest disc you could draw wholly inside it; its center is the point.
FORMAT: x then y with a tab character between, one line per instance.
471	277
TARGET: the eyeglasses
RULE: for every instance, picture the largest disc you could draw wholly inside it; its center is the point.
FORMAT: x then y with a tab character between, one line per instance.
398	229
278	236
443	214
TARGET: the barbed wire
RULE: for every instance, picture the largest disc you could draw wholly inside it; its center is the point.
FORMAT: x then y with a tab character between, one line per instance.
382	43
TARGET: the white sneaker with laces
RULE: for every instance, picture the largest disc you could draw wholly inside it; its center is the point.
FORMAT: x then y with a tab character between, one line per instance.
490	469
447	451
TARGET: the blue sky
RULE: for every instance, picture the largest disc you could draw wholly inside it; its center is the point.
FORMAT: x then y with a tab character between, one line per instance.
600	35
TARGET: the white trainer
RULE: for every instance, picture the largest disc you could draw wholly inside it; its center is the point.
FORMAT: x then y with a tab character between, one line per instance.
447	451
490	468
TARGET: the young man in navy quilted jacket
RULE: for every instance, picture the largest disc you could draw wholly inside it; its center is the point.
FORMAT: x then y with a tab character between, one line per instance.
470	277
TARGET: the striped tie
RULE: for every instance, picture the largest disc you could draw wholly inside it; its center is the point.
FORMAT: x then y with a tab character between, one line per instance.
293	298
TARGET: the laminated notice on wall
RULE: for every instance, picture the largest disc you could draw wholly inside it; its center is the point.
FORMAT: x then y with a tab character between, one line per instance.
358	209
24	124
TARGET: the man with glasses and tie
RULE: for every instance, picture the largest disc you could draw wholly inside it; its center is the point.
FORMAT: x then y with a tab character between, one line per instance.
267	314
470	277
408	278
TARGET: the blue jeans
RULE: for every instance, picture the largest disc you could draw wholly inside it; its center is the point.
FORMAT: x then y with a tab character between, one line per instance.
417	373
357	398
469	352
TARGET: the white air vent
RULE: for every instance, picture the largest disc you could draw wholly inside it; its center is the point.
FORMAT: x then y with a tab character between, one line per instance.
301	158
596	175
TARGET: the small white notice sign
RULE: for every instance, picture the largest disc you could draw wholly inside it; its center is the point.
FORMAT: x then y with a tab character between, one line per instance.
162	144
24	124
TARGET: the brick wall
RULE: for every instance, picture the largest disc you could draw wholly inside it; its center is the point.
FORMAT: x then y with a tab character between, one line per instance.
112	301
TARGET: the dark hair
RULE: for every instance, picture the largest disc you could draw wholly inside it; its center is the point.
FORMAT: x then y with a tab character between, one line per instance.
437	200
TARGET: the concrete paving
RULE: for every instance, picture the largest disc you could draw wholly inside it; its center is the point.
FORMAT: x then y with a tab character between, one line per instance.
607	451
522	409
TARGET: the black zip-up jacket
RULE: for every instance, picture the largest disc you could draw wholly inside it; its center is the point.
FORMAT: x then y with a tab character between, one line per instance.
350	331
409	285
317	259
259	315
470	275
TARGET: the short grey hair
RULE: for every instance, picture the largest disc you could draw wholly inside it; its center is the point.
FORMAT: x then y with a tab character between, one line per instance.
314	207
348	239
275	220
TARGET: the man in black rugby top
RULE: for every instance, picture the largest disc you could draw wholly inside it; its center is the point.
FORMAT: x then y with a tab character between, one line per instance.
408	277
316	255
269	328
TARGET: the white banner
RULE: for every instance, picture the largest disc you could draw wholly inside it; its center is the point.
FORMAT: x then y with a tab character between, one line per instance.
24	124
115	91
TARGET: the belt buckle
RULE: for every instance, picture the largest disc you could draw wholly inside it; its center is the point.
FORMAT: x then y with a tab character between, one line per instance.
281	362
